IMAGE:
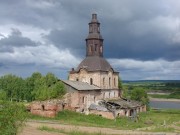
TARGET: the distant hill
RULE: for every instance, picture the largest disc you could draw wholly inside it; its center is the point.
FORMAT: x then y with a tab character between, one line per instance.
153	85
151	81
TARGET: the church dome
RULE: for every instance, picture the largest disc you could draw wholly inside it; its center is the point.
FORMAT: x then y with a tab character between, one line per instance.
94	63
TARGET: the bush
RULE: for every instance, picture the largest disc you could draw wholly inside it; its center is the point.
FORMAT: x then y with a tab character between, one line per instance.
12	117
140	94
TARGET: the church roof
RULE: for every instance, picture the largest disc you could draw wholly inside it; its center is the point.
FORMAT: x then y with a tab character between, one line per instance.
80	85
94	63
94	60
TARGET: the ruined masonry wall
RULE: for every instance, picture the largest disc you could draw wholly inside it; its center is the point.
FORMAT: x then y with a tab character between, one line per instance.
104	80
46	108
108	115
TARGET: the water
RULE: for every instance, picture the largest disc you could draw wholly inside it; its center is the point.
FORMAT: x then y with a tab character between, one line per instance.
165	104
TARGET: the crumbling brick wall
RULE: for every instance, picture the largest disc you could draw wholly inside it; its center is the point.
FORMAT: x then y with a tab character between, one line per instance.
108	115
46	108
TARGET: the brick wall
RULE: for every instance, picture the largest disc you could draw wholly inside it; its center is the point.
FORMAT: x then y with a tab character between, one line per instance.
46	108
108	115
104	80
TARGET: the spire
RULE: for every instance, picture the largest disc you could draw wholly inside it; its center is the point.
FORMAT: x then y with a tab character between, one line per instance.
94	26
94	18
94	41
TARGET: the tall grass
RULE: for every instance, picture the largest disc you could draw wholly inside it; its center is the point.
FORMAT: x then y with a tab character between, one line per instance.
71	132
156	118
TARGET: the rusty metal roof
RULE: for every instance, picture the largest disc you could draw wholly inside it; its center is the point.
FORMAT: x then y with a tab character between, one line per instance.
98	108
80	85
94	63
125	103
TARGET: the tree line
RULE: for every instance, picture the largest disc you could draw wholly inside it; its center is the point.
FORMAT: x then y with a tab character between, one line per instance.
134	93
35	87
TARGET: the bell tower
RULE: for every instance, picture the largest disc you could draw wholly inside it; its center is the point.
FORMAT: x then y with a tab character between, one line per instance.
95	69
94	41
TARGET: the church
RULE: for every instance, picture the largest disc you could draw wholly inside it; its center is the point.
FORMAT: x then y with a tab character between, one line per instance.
94	77
92	87
94	69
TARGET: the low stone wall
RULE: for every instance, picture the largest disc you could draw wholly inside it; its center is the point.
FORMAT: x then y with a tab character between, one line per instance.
108	115
46	108
44	113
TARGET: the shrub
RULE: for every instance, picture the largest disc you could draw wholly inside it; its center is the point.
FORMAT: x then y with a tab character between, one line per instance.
12	117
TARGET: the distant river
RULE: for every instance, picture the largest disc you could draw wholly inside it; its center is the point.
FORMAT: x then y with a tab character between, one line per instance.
165	104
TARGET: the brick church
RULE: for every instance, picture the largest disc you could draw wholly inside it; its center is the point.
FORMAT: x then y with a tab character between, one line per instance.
94	69
92	87
94	78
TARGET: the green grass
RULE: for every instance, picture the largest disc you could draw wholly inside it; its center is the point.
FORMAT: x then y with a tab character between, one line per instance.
68	117
174	95
161	85
163	129
158	96
71	132
157	118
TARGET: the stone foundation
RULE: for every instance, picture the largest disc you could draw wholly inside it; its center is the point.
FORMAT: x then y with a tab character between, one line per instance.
46	108
108	115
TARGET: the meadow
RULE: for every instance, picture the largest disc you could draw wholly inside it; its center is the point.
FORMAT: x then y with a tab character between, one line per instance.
153	120
171	88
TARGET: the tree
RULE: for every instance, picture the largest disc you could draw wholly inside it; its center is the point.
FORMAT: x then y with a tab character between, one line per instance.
3	95
40	89
12	117
48	87
30	85
50	79
57	90
119	83
35	87
140	94
13	86
124	90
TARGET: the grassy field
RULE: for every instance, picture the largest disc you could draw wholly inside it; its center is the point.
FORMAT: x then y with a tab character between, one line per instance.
174	95
155	85
160	119
70	132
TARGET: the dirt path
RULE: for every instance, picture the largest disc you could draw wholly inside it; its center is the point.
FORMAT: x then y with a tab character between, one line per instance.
31	129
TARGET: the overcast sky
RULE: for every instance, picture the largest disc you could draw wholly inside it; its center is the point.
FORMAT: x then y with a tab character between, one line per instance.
141	38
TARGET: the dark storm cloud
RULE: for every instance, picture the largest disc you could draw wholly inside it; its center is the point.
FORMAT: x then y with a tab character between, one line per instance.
148	47
131	29
138	31
38	13
66	39
1	64
15	39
